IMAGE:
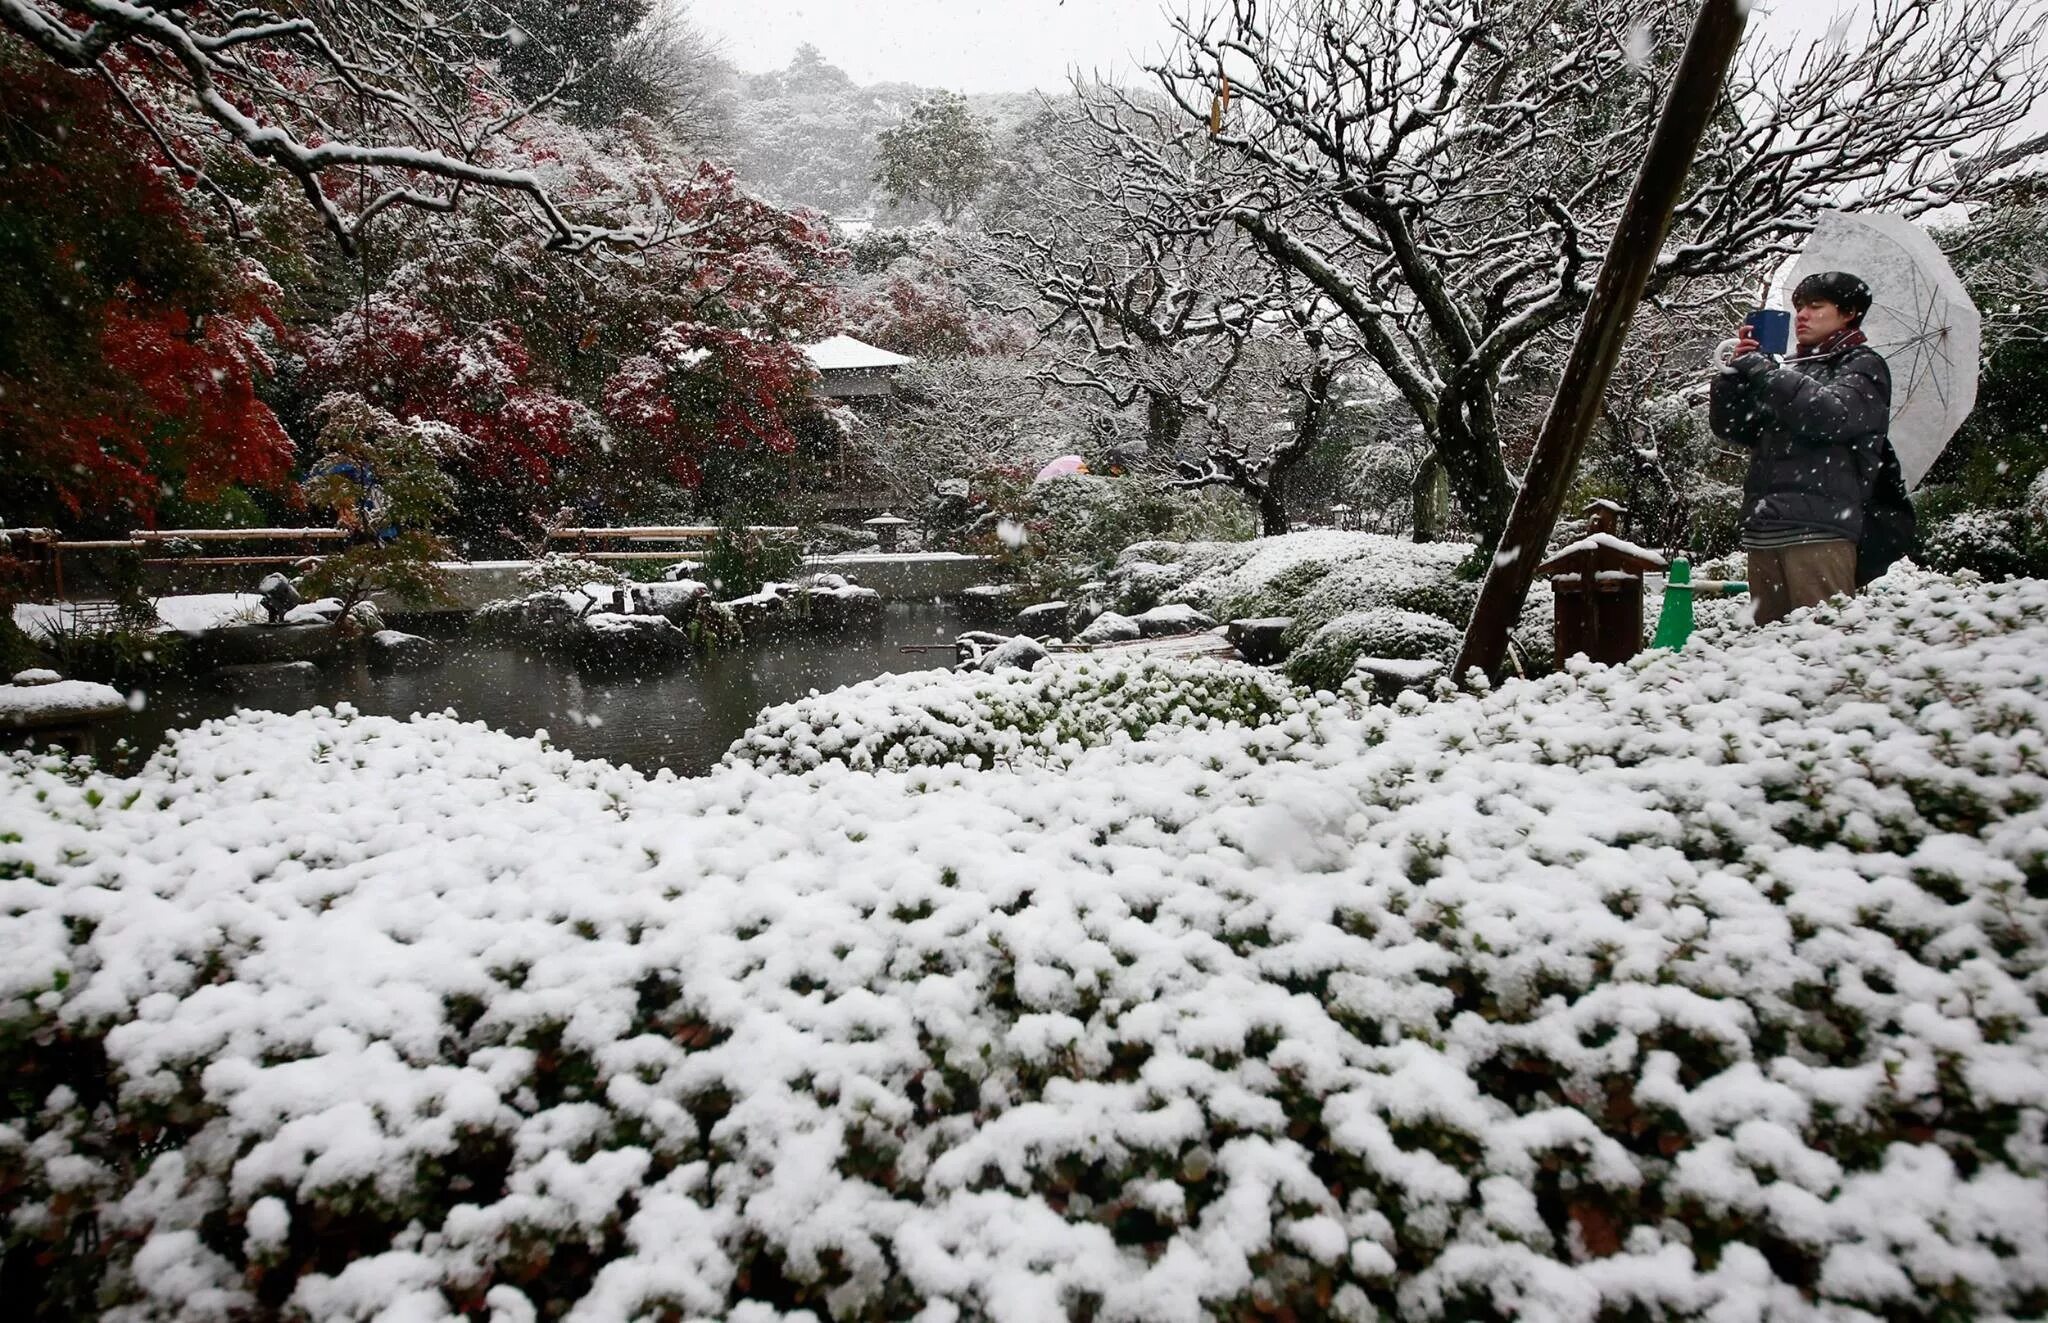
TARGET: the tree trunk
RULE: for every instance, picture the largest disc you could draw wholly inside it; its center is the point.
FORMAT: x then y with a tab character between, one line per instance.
1272	509
1469	449
1430	492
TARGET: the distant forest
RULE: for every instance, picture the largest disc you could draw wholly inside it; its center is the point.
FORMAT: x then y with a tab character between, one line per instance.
804	136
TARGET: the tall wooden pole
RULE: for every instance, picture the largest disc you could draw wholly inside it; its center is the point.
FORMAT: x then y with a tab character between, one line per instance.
1688	105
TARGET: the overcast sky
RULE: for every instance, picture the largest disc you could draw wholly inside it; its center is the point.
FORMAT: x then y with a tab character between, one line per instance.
1009	46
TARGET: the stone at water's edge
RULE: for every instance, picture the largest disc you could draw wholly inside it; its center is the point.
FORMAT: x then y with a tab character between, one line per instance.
252	645
402	651
677	600
35	702
1045	619
989	602
606	636
1260	639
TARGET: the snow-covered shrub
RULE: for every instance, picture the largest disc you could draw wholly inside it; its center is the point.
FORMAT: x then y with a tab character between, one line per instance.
1059	534
560	571
1329	654
1991	542
1315	575
1707	987
1047	715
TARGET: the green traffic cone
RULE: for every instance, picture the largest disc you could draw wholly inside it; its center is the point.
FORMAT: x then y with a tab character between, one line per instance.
1674	622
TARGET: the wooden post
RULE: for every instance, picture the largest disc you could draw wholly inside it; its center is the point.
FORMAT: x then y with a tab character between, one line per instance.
1694	94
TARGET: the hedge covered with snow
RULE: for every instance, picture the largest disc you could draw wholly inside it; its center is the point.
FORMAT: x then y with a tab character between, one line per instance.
1707	987
1008	717
1319	577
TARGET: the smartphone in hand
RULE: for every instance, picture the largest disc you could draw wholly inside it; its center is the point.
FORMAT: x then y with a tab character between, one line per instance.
1771	329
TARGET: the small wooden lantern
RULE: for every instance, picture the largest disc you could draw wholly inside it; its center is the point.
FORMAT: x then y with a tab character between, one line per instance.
1597	583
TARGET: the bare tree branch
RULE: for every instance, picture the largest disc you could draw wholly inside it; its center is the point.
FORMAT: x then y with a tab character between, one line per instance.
272	85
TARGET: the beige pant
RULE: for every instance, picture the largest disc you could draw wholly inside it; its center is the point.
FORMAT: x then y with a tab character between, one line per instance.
1783	579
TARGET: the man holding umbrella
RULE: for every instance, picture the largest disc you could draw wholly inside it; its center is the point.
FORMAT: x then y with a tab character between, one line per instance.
1823	477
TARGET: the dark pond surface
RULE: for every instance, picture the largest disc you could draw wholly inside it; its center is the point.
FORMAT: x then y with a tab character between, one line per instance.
682	718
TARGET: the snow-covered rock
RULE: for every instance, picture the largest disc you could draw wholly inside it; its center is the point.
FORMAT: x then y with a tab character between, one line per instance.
320	611
1021	652
1176	618
54	701
1260	640
679	601
607	636
989	602
542	619
1109	627
1043	620
395	648
1710	986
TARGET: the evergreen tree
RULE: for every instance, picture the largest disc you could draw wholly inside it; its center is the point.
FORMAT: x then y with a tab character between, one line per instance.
942	154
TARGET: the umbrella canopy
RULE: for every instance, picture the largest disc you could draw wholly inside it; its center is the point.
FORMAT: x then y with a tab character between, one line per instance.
1921	320
1062	467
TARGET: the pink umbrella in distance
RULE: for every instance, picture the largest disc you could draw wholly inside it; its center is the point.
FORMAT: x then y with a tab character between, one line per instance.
1064	466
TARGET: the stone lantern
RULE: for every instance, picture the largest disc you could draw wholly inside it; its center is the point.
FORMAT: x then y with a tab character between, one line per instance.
1340	515
887	527
1597	583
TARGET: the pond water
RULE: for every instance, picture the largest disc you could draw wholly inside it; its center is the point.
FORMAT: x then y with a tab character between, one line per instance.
682	718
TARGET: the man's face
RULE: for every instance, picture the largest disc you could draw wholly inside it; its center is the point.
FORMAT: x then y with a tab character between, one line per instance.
1816	321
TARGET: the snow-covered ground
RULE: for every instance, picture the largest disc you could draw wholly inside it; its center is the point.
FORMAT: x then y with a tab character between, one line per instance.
1710	986
193	613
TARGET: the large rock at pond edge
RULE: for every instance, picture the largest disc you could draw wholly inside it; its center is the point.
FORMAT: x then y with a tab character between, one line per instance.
989	602
1022	652
322	611
542	620
1260	640
401	651
762	613
251	645
35	703
1109	627
834	602
605	636
1047	619
677	602
264	675
1176	618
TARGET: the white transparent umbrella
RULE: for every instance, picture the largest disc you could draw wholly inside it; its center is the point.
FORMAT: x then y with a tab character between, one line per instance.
1921	319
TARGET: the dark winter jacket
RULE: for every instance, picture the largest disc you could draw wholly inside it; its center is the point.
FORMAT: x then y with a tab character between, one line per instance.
1816	427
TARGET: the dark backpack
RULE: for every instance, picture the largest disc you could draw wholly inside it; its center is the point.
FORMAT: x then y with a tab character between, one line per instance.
1889	529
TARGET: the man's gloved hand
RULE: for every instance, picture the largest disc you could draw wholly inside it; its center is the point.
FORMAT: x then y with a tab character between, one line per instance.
1752	365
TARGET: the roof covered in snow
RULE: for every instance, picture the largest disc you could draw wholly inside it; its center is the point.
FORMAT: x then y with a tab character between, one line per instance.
843	353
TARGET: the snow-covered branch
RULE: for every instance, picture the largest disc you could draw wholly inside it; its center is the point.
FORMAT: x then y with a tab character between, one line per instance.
1446	172
381	98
